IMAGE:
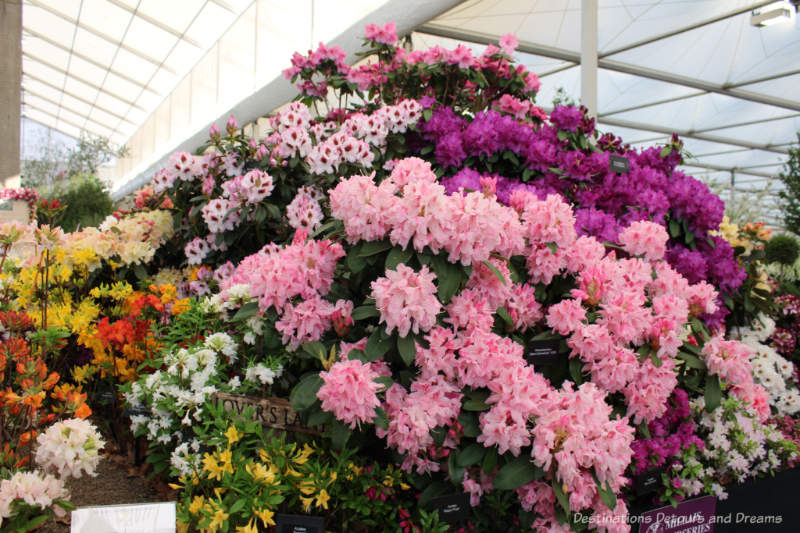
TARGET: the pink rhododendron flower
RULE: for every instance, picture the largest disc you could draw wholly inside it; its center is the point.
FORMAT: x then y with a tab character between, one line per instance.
407	299
350	392
645	238
304	212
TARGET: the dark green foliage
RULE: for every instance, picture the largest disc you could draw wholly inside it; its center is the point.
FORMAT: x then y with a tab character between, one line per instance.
87	202
790	197
782	249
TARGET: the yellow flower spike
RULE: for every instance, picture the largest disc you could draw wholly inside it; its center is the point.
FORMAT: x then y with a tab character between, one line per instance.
322	499
233	435
266	517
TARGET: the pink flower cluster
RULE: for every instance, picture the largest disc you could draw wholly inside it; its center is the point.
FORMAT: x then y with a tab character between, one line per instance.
250	188
181	166
407	300
304	211
730	360
381	34
349	391
276	276
32	488
645	238
469	227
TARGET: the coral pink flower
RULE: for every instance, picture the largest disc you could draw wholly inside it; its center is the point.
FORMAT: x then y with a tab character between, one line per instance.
407	299
350	392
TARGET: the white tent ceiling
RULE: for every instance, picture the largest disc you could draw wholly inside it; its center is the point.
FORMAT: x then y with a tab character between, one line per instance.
697	68
102	66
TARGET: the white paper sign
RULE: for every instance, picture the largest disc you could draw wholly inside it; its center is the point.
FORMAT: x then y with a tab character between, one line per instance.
138	518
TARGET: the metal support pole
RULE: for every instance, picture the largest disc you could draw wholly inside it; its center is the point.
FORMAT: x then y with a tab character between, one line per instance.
732	189
589	55
10	90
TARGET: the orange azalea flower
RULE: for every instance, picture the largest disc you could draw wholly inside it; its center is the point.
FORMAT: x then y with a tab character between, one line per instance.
83	411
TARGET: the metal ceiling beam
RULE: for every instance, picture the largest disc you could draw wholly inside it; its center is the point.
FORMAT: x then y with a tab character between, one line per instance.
61	105
691	27
100	34
75	96
609	64
691	135
82	80
155	22
720	168
88	59
224	5
62	119
762	79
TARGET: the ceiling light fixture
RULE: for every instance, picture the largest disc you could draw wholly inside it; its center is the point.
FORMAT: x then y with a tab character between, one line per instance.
774	13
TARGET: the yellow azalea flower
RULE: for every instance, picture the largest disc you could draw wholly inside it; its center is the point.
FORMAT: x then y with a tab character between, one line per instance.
307	503
334	476
196	505
182	528
302	457
405	486
83	373
180	306
322	499
226	457
233	435
261	473
266	517
307	488
217	520
210	465
249	528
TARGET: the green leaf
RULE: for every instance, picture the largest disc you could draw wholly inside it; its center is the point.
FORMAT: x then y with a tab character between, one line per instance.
437	488
713	393
644	430
606	494
489	460
561	496
407	347
495	271
576	370
340	433
325	227
665	151
381	420
261	215
476	405
729	302
502	313
377	345
36	521
140	271
319	418
688	238
470	455
354	261
397	256
562	135
553	247
515	473
315	349
674	228
246	311
448	277
455	472
691	360
237	506
386	381
304	393
364	311
469	422
373	248
359	355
